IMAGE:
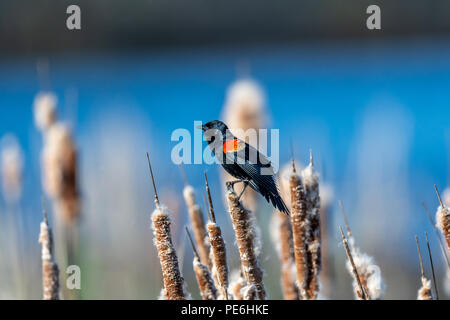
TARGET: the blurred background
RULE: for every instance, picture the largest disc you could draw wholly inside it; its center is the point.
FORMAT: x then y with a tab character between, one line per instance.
372	105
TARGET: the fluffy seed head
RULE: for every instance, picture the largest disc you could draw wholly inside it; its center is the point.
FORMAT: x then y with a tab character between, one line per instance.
45	110
11	168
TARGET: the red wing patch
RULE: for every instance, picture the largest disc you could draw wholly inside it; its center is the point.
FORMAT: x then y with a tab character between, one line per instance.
233	145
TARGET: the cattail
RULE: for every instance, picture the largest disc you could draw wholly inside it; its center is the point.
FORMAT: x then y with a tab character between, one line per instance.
45	110
11	169
50	278
205	282
443	220
424	292
218	251
249	292
432	266
310	181
236	284
60	172
281	232
173	281
301	232
198	225
361	291
369	273
248	243
244	110
327	272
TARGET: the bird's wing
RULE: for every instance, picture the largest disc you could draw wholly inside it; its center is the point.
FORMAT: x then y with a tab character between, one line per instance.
254	164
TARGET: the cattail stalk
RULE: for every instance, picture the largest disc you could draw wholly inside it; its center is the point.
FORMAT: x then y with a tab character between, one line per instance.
369	272
432	267
198	225
283	240
173	281
50	278
362	292
424	292
60	176
438	236
300	231
247	241
218	250
443	220
205	282
310	181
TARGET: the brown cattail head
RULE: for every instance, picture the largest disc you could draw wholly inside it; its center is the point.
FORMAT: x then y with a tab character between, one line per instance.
11	169
443	220
60	172
205	282
198	225
310	181
301	232
281	232
219	257
244	110
50	277
218	250
45	110
173	281
369	274
248	243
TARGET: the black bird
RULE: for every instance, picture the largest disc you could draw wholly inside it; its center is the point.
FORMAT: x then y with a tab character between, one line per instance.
243	162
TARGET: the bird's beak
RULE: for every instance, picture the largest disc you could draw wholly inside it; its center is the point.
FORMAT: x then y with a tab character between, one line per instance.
199	127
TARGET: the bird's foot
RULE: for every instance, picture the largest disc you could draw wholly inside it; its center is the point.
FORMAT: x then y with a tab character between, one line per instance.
230	185
243	189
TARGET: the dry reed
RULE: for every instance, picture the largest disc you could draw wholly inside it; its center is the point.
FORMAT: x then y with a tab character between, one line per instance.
50	278
205	282
246	237
198	225
173	281
443	220
424	292
218	250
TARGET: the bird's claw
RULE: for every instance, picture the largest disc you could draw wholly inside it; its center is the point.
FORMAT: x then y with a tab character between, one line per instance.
230	186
